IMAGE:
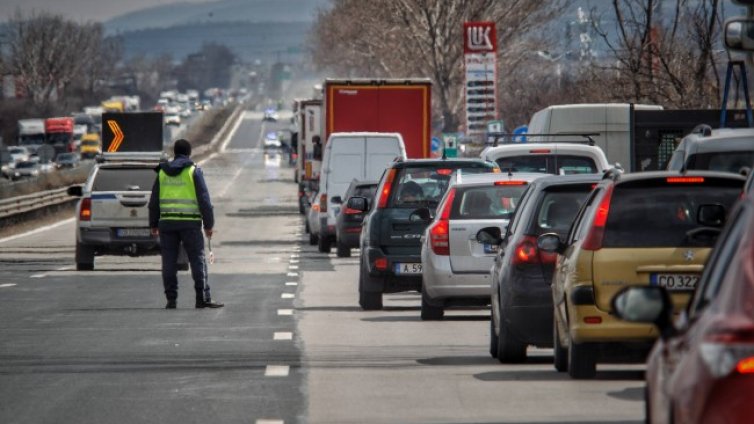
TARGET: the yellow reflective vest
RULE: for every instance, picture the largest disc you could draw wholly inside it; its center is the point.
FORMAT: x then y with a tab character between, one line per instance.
178	200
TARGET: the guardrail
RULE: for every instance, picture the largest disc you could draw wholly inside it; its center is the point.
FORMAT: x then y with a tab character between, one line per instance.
31	202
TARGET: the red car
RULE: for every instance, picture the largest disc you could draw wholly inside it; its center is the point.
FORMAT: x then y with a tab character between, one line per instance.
701	370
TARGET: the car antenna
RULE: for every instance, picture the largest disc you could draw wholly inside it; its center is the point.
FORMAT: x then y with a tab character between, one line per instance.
444	155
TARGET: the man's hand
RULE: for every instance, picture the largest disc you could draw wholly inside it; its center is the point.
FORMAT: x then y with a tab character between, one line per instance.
208	232
155	232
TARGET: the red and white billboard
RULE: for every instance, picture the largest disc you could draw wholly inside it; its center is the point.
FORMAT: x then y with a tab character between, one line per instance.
480	85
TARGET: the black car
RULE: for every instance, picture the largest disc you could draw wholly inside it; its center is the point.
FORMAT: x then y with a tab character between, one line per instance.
521	275
406	198
348	223
67	160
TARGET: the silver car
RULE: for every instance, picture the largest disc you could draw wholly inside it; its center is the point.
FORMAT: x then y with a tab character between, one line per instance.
312	218
456	266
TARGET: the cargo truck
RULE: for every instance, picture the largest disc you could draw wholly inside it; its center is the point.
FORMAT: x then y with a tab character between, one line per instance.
31	133
380	105
59	134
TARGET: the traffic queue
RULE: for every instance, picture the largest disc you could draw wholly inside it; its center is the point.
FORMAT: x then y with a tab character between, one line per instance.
567	249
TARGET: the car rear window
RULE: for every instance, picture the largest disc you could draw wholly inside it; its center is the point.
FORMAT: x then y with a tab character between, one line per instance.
365	191
548	164
662	216
425	186
492	202
124	179
722	161
557	208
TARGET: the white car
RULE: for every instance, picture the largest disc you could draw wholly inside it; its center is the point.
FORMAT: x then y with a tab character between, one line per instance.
550	158
455	265
272	141
312	218
27	168
18	153
172	119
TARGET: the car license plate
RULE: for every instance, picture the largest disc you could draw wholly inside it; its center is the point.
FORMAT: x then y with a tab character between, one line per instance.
674	281
491	248
133	232
404	268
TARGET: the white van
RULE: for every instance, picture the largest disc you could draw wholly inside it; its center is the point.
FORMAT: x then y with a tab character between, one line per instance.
348	157
612	121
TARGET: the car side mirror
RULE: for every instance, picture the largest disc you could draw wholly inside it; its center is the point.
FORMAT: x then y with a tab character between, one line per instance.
420	215
551	243
75	190
711	215
337	200
647	305
358	203
489	235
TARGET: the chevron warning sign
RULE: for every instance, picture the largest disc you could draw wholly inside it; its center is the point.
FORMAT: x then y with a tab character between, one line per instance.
132	132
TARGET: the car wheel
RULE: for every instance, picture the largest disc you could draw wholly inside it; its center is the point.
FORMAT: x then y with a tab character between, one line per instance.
301	209
313	238
183	267
493	337
343	251
560	353
323	244
84	257
429	311
509	349
369	301
582	363
306	227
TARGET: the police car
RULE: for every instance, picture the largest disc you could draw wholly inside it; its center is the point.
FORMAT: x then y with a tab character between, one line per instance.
112	217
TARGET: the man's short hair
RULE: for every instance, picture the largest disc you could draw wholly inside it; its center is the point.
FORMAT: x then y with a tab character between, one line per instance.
182	147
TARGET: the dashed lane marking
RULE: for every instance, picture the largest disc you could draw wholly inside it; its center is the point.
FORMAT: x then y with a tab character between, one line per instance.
291	283
293	261
269	421
285	311
43	275
292	274
64	268
287	296
283	335
292	266
38	230
277	371
2	286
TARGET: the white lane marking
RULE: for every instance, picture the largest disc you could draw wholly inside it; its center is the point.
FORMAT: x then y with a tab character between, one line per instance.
269	421
287	296
292	274
2	286
292	266
38	230
283	335
43	275
239	119
64	268
277	371
291	283
295	255
285	311
232	180
293	261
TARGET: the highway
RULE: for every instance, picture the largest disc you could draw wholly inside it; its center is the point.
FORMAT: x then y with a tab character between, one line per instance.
290	346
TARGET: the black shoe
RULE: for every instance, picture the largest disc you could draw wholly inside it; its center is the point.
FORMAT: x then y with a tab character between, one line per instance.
209	304
170	305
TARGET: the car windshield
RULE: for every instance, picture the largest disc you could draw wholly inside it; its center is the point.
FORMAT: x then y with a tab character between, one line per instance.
491	202
25	164
31	140
65	157
16	150
58	138
722	161
425	186
124	179
549	164
663	216
557	208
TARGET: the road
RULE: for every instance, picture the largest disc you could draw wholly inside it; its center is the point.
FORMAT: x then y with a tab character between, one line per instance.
290	346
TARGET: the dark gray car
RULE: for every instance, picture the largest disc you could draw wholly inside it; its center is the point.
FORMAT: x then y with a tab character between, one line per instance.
348	223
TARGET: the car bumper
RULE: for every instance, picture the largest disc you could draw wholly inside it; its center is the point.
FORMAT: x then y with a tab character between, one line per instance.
440	282
394	282
349	239
105	239
526	305
610	329
325	229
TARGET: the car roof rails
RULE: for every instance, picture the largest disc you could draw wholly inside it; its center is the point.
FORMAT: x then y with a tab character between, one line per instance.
576	138
612	174
702	129
111	157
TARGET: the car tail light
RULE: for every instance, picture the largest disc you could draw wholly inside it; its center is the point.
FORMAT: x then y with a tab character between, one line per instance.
509	183
729	350
323	202
684	180
386	188
439	233
527	253
593	320
444	171
380	264
85	214
593	240
315	208
349	211
539	151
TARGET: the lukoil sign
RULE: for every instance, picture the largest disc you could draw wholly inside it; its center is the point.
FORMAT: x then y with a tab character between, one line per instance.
479	37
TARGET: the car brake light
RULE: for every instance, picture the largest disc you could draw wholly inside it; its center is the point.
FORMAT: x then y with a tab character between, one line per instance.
728	350
349	211
439	234
315	208
380	264
444	171
323	202
593	240
386	188
539	151
86	209
684	180
526	253
509	183
593	320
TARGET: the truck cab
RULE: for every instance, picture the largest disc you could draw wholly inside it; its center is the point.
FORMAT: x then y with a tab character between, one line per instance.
59	134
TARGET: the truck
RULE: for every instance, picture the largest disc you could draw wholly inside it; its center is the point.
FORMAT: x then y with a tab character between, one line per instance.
59	134
380	105
114	106
309	120
31	133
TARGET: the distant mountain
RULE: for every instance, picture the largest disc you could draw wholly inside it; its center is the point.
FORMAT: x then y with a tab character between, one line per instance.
185	13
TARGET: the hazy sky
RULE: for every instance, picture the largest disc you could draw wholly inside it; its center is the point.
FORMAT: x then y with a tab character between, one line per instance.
85	10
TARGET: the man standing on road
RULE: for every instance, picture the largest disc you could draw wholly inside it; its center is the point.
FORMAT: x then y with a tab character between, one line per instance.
179	205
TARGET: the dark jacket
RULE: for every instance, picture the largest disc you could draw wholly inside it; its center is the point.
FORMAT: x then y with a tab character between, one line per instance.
202	195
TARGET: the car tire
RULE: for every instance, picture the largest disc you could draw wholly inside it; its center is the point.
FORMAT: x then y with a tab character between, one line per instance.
509	349
313	239
323	244
582	363
430	312
493	337
183	267
343	251
307	228
369	301
84	257
560	353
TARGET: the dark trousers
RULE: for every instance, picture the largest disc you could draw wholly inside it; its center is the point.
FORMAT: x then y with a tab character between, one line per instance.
193	241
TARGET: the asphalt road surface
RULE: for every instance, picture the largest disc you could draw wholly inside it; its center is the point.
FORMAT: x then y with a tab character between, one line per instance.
290	346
